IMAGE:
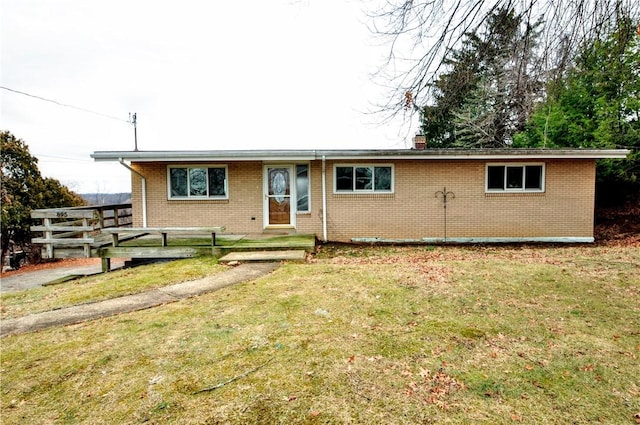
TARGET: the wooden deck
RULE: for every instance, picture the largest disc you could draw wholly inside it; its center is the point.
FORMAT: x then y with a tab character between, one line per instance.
86	232
163	231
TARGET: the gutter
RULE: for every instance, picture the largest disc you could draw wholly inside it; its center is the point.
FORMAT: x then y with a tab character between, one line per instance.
363	154
324	199
144	190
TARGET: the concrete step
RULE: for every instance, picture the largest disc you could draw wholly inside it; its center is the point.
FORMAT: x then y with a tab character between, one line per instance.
245	256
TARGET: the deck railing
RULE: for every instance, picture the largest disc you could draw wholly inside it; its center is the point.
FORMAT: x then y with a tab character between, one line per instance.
77	226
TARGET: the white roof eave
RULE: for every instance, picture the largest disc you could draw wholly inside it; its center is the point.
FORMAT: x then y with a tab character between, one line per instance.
401	154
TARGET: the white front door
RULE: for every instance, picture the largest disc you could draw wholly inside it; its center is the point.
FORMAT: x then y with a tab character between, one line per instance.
279	194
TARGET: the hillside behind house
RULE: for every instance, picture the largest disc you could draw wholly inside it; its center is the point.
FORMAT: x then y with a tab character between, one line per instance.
106	198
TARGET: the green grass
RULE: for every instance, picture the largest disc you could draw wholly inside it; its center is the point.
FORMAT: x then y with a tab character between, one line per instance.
370	335
104	286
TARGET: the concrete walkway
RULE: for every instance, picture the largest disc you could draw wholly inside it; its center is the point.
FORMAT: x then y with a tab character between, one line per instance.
80	313
286	255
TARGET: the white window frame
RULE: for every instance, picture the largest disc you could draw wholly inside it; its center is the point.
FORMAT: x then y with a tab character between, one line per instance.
198	198
363	191
506	189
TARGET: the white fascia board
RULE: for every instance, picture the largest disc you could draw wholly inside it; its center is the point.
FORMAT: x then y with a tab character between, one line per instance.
202	156
366	155
471	155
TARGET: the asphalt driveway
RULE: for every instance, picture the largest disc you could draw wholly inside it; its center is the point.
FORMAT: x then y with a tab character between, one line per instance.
39	277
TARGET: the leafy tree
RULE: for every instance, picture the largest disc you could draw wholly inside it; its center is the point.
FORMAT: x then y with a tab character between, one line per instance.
597	103
22	189
488	92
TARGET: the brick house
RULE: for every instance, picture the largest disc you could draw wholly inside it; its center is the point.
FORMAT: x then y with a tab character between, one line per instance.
404	195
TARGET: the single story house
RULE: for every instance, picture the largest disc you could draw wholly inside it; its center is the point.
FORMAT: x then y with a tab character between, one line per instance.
400	195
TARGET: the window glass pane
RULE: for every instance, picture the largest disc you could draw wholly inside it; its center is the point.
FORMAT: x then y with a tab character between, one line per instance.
495	178
514	177
344	178
533	177
279	183
178	177
302	187
383	178
197	181
364	178
216	181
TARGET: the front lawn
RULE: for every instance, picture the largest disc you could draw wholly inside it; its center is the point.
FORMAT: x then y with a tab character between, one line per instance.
366	335
107	285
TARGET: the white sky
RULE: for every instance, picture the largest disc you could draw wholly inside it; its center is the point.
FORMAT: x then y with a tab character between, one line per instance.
253	74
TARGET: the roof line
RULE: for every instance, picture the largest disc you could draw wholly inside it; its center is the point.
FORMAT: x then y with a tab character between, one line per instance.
389	154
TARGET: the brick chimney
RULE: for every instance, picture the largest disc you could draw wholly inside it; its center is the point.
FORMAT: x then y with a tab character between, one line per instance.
419	142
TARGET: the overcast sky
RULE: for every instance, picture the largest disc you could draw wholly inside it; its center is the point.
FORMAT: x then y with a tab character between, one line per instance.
254	74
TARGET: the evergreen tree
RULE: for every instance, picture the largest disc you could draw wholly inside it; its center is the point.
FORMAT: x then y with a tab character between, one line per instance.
489	91
597	103
423	34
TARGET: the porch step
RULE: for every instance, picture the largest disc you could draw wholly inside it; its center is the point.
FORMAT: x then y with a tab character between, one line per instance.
288	255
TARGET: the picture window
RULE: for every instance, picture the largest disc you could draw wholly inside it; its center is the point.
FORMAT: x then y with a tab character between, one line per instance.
363	178
198	182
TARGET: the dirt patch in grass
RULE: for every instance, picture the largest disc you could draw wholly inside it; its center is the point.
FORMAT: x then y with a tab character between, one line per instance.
370	335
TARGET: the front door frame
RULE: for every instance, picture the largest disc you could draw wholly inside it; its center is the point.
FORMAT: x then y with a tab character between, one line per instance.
292	195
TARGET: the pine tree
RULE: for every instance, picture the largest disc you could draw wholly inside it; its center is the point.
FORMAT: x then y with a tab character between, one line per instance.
489	91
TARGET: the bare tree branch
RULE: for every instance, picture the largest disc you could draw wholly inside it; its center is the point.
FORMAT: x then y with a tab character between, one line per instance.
235	378
421	34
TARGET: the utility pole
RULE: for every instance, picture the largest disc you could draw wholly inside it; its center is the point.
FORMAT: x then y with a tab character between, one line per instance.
132	120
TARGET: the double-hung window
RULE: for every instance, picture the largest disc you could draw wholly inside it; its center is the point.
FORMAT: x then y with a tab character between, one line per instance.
197	182
363	178
515	178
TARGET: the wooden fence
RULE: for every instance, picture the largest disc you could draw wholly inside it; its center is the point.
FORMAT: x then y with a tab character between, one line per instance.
77	226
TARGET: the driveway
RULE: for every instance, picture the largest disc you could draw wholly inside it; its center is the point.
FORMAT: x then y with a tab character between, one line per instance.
38	276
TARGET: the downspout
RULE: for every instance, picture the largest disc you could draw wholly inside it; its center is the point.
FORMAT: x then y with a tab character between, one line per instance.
144	191
324	199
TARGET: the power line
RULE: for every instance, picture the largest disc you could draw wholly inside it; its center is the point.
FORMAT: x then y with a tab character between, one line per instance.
63	104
